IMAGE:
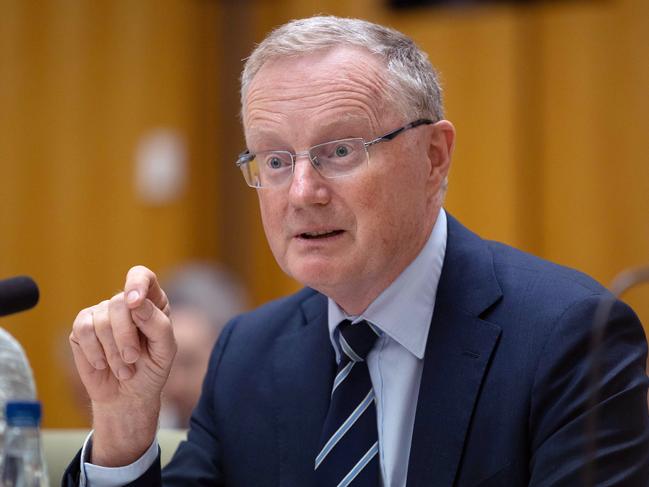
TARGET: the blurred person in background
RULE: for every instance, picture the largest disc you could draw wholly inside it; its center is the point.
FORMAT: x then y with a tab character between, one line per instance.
203	297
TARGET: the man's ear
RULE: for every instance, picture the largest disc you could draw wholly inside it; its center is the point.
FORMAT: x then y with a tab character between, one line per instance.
440	151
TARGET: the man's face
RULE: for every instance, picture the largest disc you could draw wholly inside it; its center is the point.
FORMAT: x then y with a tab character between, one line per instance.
348	237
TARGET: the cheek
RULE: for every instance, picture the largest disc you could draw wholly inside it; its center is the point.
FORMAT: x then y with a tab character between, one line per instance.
273	214
394	214
271	217
377	216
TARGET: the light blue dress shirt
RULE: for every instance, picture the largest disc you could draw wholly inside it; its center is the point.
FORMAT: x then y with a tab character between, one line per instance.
403	312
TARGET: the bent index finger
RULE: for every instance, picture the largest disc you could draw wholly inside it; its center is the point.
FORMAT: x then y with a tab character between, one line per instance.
142	283
124	330
156	326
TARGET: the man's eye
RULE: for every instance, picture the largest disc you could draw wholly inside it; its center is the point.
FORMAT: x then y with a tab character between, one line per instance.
274	162
342	150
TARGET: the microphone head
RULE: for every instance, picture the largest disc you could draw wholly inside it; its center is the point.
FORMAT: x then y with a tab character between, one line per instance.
18	293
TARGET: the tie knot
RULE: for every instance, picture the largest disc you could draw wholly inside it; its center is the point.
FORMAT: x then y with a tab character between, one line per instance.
356	340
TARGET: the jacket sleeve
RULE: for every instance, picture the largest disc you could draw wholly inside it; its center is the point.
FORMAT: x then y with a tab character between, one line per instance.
574	439
198	461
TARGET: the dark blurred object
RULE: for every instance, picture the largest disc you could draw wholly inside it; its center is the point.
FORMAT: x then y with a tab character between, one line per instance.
453	3
17	294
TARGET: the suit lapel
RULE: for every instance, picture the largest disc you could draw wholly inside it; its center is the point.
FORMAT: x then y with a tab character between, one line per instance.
458	350
304	367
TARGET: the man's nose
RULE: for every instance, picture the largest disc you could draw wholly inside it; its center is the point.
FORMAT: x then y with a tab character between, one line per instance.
308	186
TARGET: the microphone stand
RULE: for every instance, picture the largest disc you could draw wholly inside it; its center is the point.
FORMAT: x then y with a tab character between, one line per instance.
624	281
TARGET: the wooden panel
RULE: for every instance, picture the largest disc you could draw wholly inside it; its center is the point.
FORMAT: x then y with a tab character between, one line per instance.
80	84
596	171
475	51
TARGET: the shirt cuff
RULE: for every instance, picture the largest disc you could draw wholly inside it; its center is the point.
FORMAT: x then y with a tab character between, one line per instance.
97	476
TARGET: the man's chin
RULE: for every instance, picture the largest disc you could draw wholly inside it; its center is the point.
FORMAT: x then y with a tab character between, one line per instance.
318	274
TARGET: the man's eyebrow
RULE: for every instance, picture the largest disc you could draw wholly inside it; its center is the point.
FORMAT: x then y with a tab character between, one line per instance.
268	140
345	125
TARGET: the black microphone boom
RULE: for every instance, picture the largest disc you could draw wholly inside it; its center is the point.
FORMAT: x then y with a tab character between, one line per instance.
17	294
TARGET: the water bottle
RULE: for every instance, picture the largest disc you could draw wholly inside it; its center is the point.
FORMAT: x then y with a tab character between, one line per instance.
16	379
23	455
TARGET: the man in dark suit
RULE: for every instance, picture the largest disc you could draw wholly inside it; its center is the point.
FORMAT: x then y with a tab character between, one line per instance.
418	354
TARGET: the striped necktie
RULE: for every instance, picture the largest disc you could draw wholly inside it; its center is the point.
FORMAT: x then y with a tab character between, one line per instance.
349	444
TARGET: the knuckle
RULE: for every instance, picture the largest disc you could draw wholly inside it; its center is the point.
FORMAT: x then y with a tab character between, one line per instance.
102	325
73	339
99	312
84	330
140	271
82	316
83	325
117	300
134	269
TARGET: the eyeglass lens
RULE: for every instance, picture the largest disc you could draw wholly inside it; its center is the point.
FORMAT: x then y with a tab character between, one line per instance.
331	160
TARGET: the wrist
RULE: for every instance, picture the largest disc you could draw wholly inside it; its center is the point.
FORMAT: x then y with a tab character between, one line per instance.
122	435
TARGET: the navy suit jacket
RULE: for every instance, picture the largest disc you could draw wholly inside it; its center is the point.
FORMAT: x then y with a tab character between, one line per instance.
503	398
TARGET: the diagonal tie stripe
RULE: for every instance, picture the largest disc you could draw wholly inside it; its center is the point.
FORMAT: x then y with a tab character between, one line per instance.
342	375
349	351
357	339
362	463
344	428
349	441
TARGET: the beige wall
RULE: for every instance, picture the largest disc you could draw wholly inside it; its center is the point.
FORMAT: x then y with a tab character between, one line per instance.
549	102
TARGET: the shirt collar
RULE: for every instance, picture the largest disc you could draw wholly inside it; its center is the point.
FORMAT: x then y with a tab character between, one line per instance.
404	310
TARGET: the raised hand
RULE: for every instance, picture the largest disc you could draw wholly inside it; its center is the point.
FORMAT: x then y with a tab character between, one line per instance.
123	349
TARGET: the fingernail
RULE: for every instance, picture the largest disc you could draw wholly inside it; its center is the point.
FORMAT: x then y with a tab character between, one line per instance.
100	364
132	296
130	355
124	373
144	311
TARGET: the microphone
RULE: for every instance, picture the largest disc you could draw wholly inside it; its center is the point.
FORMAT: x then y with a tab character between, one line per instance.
17	294
16	378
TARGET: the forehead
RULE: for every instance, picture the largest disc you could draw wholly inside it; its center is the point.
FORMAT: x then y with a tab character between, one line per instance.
311	92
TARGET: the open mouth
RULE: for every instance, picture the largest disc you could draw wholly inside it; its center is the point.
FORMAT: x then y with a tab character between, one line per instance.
320	235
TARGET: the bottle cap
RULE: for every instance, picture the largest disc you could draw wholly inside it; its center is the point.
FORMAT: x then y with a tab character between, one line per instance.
23	413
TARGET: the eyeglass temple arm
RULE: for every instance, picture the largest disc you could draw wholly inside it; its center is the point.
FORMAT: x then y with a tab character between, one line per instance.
244	157
394	133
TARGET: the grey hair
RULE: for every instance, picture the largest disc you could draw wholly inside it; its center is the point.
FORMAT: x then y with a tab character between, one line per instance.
412	81
208	288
